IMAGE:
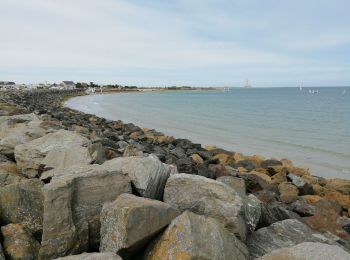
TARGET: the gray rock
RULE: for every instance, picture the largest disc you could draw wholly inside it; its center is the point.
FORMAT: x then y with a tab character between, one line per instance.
18	129
29	156
147	174
252	207
308	251
8	173
92	256
207	197
22	203
238	184
98	153
122	144
273	212
303	187
191	236
19	243
72	204
281	234
129	222
270	163
178	152
131	150
62	158
303	208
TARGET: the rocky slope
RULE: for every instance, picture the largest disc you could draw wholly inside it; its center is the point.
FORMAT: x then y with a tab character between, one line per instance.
76	186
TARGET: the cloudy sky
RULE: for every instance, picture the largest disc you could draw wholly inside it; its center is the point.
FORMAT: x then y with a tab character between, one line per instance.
176	42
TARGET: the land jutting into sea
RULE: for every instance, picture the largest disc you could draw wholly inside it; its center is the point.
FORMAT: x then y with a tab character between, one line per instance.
77	184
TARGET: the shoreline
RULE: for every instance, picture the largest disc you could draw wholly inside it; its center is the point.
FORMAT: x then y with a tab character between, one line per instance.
77	92
316	161
270	191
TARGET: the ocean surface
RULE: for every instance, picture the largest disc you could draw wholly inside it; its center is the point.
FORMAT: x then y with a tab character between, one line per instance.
313	130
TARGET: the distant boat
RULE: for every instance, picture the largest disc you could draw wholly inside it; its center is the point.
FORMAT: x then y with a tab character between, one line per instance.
313	91
344	92
248	85
300	88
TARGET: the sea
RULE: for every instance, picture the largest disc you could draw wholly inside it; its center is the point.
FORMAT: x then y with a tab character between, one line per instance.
312	130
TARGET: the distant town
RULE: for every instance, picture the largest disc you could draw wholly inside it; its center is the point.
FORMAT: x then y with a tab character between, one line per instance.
93	87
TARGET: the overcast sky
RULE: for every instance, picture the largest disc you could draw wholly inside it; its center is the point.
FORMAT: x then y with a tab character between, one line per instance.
176	42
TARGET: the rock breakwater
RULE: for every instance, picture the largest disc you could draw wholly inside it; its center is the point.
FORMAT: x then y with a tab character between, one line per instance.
77	184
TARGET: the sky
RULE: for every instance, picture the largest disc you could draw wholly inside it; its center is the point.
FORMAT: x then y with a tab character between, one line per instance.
176	42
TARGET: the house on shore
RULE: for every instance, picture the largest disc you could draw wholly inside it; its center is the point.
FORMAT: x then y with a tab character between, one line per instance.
67	85
5	85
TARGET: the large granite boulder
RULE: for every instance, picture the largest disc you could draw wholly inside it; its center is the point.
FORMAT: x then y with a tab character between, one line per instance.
191	236
129	222
281	234
19	243
207	197
72	206
22	202
62	158
147	174
92	256
308	251
30	156
18	129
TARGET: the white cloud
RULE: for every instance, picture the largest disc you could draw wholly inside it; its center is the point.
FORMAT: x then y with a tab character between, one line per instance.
116	35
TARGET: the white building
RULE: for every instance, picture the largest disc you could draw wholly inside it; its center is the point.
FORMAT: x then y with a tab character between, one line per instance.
67	85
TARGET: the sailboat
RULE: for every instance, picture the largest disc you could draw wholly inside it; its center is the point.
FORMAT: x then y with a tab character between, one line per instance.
300	88
247	84
344	92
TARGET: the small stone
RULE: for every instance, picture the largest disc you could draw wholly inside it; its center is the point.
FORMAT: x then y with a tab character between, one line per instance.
304	187
288	192
340	185
269	163
302	208
256	181
131	150
197	159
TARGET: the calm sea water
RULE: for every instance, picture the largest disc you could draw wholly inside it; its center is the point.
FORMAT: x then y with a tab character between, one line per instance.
311	130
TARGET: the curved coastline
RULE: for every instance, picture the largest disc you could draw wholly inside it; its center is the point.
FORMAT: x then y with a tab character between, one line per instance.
268	150
247	195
